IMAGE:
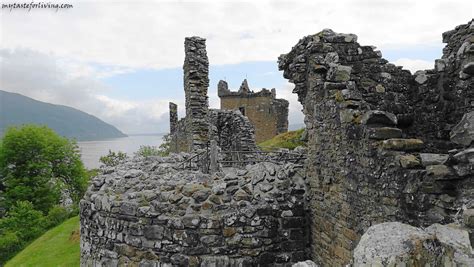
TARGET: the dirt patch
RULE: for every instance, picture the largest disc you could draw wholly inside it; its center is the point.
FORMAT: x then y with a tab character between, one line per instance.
75	235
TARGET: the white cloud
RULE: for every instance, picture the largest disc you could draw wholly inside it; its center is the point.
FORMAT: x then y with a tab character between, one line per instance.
46	78
295	112
59	57
414	64
149	34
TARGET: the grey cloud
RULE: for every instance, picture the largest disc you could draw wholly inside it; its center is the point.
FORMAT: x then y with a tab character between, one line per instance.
43	77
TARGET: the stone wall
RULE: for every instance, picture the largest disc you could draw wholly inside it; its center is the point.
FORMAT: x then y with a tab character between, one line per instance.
267	114
196	82
373	129
173	109
441	96
151	212
232	130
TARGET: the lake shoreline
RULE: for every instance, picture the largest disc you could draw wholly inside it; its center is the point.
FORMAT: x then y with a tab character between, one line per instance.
91	151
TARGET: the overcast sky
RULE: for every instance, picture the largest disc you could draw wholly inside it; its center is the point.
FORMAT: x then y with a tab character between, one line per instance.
122	60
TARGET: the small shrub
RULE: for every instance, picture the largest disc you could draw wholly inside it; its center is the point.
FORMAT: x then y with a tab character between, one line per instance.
147	151
113	158
55	216
165	146
162	151
10	244
22	224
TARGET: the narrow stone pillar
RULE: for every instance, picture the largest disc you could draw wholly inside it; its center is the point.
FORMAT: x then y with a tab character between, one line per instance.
196	82
214	167
173	117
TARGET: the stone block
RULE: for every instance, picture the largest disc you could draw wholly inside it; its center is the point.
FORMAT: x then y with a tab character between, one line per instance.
378	117
403	144
339	73
463	132
383	133
433	159
465	156
468	68
468	218
154	232
439	172
409	161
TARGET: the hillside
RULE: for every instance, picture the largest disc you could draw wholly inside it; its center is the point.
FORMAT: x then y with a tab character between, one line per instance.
16	109
57	247
288	140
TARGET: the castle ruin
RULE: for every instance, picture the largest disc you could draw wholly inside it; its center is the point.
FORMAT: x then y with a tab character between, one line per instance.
267	114
383	145
387	152
202	124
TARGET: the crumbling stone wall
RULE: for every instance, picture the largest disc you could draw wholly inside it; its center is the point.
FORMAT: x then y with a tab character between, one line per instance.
196	82
268	114
370	125
444	94
230	129
151	212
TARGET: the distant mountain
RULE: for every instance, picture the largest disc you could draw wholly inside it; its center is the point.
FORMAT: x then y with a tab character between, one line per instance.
16	109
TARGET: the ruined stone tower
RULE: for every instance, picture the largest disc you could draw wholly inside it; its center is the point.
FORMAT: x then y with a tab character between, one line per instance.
196	82
268	114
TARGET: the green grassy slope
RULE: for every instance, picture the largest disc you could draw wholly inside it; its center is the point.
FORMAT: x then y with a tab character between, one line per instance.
288	140
57	247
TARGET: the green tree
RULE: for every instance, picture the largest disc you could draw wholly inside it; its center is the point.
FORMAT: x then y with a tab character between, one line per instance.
23	220
36	165
22	224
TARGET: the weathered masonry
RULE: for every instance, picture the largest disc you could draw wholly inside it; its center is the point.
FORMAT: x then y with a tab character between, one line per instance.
196	82
232	130
267	114
388	152
384	145
157	211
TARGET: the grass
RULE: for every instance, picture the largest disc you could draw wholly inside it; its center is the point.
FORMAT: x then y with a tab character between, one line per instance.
288	140
57	247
